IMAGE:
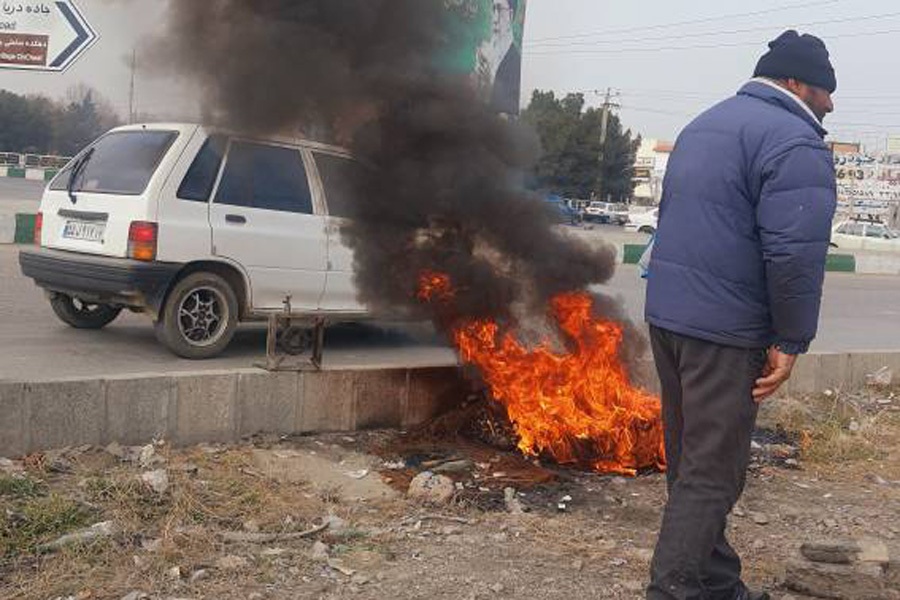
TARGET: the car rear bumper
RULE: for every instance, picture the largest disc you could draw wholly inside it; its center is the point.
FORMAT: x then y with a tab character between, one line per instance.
131	283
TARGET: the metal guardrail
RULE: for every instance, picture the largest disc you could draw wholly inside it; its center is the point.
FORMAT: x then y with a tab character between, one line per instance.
33	161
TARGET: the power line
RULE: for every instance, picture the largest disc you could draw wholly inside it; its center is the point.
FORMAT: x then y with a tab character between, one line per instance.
657	111
878	127
699	47
717	33
818	4
693	94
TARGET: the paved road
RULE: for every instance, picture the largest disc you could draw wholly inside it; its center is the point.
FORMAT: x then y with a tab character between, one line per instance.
20	195
859	313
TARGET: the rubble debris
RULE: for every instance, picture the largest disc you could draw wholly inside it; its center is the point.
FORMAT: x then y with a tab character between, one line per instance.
511	499
136	595
338	565
147	457
846	552
841	582
774	447
240	537
454	466
760	518
11	467
115	449
319	552
845	569
91	534
431	488
336	524
883	377
232	563
158	481
418	519
328	469
199	575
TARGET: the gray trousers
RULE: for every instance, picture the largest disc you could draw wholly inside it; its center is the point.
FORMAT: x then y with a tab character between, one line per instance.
709	416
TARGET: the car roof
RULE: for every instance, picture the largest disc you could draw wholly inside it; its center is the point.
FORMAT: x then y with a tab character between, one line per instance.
282	138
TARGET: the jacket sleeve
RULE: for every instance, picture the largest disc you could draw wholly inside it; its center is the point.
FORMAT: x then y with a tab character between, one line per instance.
794	215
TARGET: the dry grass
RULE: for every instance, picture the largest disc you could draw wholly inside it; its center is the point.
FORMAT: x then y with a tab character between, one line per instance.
208	494
838	427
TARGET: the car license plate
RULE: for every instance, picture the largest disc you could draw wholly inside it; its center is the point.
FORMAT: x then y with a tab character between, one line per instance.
84	230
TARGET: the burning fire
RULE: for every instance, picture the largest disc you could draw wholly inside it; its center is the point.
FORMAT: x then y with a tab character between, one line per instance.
578	406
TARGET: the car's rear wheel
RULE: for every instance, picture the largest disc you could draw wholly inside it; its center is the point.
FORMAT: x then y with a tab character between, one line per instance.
199	317
83	315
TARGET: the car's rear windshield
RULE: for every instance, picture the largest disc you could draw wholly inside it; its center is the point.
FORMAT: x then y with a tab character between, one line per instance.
118	163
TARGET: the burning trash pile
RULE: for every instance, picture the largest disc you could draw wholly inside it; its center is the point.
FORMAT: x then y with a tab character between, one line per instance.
577	406
441	225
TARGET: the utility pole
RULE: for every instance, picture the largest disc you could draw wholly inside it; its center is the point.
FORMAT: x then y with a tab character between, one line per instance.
608	105
131	116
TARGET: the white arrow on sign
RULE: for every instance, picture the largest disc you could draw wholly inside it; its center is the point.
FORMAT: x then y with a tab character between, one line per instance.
42	36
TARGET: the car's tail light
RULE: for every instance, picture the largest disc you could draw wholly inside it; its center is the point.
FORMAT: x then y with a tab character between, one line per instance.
38	227
142	238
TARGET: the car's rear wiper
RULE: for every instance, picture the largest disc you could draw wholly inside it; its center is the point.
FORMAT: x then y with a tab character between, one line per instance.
76	173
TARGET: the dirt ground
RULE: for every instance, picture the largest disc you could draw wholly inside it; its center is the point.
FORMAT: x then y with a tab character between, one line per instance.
824	467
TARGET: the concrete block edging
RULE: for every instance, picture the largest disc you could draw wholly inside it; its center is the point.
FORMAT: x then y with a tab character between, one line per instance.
225	406
217	406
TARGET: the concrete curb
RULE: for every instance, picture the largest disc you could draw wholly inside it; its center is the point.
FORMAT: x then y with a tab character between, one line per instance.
224	406
17	228
33	174
218	406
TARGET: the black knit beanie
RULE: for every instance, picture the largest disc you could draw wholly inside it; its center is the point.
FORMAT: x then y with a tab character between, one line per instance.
801	57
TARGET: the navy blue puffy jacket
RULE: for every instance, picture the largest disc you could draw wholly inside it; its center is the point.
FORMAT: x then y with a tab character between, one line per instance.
745	223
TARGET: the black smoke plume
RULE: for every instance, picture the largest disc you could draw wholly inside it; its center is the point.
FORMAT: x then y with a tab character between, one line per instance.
443	189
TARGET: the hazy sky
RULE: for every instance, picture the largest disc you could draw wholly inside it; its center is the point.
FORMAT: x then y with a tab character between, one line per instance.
665	70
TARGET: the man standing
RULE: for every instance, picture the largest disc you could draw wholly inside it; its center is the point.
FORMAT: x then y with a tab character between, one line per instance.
733	296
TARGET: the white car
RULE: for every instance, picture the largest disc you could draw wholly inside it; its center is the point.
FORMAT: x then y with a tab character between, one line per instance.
865	235
607	212
646	222
198	229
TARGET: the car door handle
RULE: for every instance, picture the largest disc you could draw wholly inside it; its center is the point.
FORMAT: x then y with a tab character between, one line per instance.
236	219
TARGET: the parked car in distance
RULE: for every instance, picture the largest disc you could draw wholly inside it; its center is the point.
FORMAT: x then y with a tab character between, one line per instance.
564	213
873	236
199	229
613	213
646	222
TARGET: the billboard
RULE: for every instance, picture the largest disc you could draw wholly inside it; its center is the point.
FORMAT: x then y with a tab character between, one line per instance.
486	48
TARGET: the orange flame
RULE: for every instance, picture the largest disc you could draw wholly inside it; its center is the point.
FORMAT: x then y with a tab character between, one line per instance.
578	406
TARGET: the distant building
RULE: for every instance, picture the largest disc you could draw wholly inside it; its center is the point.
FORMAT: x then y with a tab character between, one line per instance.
844	147
650	164
868	184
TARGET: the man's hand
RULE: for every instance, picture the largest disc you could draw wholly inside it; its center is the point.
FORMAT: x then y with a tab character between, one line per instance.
777	371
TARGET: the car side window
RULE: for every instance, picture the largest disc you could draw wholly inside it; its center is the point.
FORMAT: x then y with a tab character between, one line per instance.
197	185
265	177
876	231
341	178
855	229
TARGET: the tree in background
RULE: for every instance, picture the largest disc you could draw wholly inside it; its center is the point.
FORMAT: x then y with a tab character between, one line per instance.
84	118
572	163
38	125
26	123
